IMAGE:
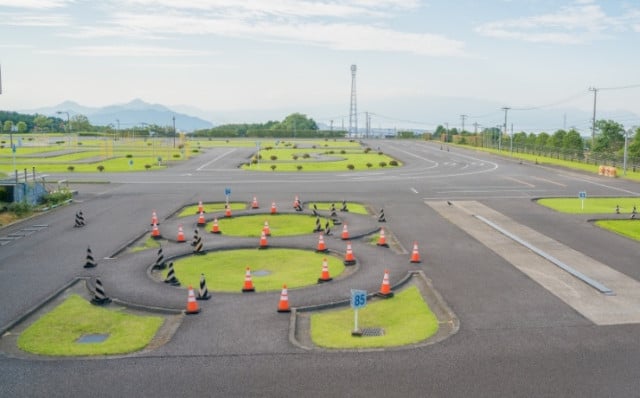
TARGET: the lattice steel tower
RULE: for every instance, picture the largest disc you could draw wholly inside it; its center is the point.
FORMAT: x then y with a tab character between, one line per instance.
353	111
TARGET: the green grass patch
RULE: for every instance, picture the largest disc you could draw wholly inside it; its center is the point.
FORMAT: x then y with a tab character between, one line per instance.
628	228
211	208
405	318
224	270
355	208
56	332
593	205
149	243
279	224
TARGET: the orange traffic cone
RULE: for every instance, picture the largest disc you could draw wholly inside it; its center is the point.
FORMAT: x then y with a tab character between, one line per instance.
201	220
263	241
154	218
324	276
349	259
254	203
321	246
215	228
345	233
248	284
227	211
283	305
155	232
266	229
192	304
382	240
296	202
385	288
181	237
415	256
274	210
200	207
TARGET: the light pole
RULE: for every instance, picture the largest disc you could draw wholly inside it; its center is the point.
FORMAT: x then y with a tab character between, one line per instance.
626	144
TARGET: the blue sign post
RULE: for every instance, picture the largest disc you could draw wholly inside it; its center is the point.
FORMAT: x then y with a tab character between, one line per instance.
582	195
227	193
358	300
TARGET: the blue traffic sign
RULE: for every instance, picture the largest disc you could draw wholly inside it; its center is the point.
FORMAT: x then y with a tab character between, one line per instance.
582	194
358	298
227	191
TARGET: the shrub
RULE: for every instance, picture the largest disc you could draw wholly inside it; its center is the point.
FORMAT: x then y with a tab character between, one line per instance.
383	164
393	163
273	167
176	156
268	148
299	167
313	146
350	166
20	208
367	150
295	146
71	168
149	143
295	157
55	197
180	146
59	142
79	143
380	153
254	161
306	156
147	166
100	168
195	150
369	165
128	156
273	157
343	151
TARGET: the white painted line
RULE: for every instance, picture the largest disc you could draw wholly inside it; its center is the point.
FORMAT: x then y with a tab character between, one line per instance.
549	181
520	181
414	190
215	159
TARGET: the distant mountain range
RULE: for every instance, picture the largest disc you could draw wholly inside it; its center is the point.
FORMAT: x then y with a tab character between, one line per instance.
131	114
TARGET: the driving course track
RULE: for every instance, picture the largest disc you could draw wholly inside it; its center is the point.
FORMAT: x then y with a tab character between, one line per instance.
516	337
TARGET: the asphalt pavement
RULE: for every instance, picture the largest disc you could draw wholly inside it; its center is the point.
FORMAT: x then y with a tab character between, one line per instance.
515	338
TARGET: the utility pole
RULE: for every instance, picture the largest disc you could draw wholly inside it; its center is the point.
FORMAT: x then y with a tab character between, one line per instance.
505	109
593	120
174	131
463	117
331	126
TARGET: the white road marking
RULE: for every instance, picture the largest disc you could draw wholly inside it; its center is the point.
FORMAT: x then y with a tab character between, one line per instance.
213	160
414	190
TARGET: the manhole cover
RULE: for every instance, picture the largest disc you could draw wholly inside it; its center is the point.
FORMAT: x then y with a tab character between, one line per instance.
260	272
92	338
372	331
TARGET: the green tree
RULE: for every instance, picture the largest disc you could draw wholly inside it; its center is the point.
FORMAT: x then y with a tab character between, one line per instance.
634	147
296	121
610	137
22	127
573	143
541	140
554	143
8	124
80	123
42	123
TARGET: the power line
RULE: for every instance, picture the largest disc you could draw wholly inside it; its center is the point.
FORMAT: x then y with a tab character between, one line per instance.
620	87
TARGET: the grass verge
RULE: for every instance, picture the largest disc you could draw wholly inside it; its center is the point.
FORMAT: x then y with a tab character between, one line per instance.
355	208
211	208
405	318
56	333
279	224
591	205
628	228
271	268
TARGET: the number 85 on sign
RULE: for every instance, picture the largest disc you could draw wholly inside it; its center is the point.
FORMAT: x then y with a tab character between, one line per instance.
358	298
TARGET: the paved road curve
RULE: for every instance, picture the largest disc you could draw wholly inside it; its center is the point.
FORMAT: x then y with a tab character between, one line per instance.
515	339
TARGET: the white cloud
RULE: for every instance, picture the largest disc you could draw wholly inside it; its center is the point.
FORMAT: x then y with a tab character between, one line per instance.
125	51
35	4
580	22
23	19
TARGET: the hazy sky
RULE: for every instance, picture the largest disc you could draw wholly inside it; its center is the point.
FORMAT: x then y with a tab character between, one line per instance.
240	55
